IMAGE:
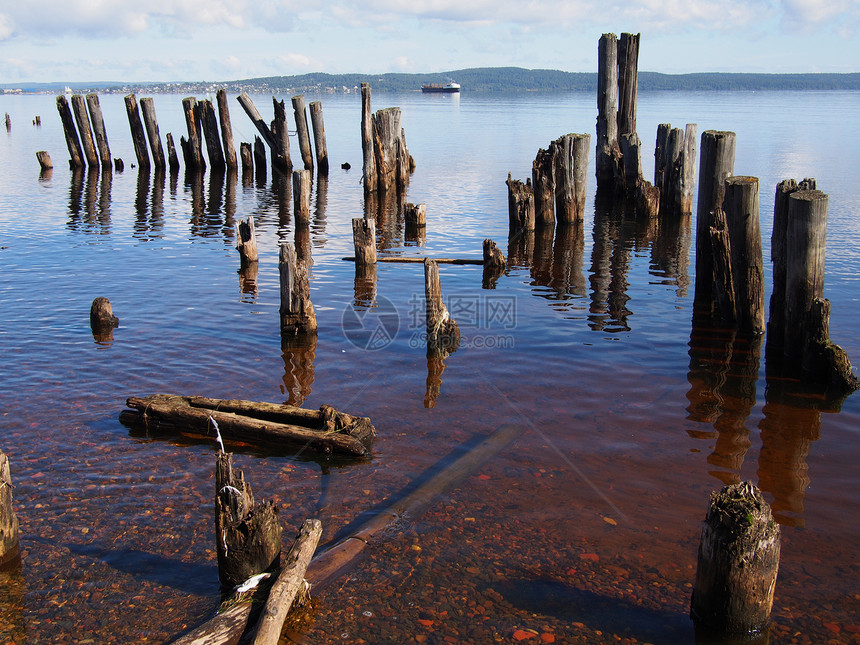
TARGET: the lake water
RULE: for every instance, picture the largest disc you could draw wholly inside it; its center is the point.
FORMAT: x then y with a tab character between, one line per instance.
584	530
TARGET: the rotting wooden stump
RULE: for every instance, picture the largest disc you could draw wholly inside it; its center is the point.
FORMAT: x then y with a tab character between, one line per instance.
443	333
102	320
302	196
297	310
364	241
325	430
246	241
79	107
8	519
319	138
738	561
76	153
302	131
44	159
521	205
494	264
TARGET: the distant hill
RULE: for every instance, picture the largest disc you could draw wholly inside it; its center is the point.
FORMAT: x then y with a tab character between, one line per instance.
481	79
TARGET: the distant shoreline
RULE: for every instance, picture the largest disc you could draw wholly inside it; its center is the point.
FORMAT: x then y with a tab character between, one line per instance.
485	79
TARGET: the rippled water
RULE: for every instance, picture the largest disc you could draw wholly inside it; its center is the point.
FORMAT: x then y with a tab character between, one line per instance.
584	529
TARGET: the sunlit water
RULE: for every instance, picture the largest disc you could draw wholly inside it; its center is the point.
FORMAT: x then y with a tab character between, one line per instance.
583	530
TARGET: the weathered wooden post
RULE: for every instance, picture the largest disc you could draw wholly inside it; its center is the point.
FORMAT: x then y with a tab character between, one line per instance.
172	158
297	311
281	151
302	196
364	239
247	157
738	562
99	132
674	167
76	154
246	241
716	165
369	176
443	333
521	205
151	122
302	131
571	167
543	183
226	128
82	119
209	123
608	152
247	535
741	206
494	264
44	160
8	520
102	320
415	216
628	83
137	135
192	151
259	158
319	137
8	123
684	183
386	126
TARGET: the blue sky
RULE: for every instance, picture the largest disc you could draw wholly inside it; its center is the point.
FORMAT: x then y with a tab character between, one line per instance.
219	40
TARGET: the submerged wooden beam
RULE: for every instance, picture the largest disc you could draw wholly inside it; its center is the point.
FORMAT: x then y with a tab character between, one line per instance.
326	430
420	260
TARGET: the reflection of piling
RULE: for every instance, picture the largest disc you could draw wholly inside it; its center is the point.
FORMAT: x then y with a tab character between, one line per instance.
151	122
226	128
299	355
76	154
319	137
138	137
80	109
297	311
99	131
737	563
302	131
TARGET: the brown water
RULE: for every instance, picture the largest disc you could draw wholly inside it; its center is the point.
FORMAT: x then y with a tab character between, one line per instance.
583	530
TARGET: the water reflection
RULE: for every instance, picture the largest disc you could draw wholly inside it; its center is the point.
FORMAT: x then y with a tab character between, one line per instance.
521	247
365	286
387	209
248	281
670	252
319	215
89	203
299	353
149	220
610	265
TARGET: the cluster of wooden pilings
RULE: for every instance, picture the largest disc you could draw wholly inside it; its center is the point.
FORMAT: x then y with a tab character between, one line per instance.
91	148
387	162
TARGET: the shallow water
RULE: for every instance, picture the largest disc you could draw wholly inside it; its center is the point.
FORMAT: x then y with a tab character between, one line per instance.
583	530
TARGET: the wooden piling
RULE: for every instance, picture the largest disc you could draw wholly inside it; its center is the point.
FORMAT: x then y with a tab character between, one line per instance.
251	110
172	158
684	184
738	561
364	240
302	131
297	311
246	242
302	196
281	137
79	108
628	83
415	216
209	124
741	206
226	128
246	155
386	126
319	138
494	264
8	123
571	167
608	152
76	154
8	520
44	158
137	135
259	155
521	205
443	333
102	320
99	132
369	176
192	152
543	183
147	107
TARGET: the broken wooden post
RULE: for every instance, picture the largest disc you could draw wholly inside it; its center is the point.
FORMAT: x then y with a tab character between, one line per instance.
8	123
521	205
251	110
226	128
386	125
364	240
209	123
260	159
302	196
608	153
192	151
628	83
8	520
570	160
172	158
674	165
246	241
494	264
151	122
247	535
543	183
319	138
138	137
368	137
741	207
738	562
82	119
415	216
102	320
44	160
289	584
302	131
247	157
684	180
281	135
99	132
716	165
297	310
76	154
443	333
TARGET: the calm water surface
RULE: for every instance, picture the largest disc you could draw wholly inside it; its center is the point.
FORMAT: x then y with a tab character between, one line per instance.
583	530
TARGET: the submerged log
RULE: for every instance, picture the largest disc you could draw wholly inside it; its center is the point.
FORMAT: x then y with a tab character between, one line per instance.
416	260
8	519
325	430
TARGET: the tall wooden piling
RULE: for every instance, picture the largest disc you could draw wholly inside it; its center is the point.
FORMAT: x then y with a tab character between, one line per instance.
387	130
247	157
674	167
628	83
193	154
684	183
8	520
521	205
608	152
543	184
151	122
246	242
99	132
76	154
738	562
319	138
172	158
741	206
369	177
226	129
281	150
137	135
302	131
297	312
302	196
364	239
571	168
209	123
82	119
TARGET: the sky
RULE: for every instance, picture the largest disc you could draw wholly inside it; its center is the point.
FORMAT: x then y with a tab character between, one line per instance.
223	40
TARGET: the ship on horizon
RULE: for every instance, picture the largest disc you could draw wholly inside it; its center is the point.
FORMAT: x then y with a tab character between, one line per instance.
448	88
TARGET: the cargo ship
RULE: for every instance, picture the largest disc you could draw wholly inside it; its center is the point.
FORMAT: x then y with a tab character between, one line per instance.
438	88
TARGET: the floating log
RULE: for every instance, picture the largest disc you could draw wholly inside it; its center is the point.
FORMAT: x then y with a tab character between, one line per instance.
192	151
226	128
738	561
79	107
521	205
570	161
443	333
246	241
102	320
302	196
172	158
209	125
44	160
281	137
138	137
297	310
8	520
289	584
543	183
319	137
741	206
99	131
147	107
76	154
364	240
368	136
302	131
325	430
